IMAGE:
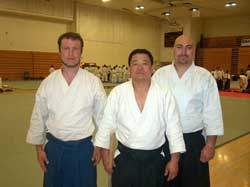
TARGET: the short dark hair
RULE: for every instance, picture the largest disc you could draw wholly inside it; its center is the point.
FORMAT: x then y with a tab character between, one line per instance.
141	51
72	36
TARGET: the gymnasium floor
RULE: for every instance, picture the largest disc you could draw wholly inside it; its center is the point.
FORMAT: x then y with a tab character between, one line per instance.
229	168
231	164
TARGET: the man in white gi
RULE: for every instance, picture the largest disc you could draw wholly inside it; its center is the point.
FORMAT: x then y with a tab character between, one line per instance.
218	77
248	77
141	114
226	80
243	82
196	93
66	102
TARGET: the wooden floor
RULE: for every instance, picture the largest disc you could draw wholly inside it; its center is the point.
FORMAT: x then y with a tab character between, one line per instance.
229	168
231	164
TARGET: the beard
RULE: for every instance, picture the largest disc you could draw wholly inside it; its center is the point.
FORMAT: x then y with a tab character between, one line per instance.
183	59
71	65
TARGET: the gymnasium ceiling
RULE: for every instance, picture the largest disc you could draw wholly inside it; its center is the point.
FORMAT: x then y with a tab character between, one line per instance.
177	8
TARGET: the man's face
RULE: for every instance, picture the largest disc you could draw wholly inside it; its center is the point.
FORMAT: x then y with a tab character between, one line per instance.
183	50
70	52
140	67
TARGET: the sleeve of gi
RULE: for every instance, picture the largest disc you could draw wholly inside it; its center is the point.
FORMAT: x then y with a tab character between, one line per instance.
173	127
36	132
212	113
108	123
99	101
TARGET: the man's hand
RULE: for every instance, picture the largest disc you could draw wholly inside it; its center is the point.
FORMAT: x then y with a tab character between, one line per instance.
96	157
207	153
41	157
107	162
171	168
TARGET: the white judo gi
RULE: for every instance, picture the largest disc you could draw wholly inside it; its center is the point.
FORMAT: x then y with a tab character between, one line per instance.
66	111
141	130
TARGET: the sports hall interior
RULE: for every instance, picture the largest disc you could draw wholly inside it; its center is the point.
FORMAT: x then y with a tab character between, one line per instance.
28	47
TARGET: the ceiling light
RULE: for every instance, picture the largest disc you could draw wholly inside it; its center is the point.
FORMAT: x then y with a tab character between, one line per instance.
139	7
193	9
229	4
104	1
166	13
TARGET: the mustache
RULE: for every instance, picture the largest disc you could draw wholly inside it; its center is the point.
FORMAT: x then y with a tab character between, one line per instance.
71	65
183	56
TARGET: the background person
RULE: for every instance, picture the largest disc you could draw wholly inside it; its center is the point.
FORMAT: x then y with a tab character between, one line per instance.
248	77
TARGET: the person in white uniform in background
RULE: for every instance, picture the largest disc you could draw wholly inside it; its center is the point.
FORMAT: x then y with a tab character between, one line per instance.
1	83
226	80
141	114
104	71
98	72
248	77
218	75
114	74
243	82
196	93
66	103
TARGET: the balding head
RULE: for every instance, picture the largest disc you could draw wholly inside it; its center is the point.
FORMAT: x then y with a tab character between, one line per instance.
183	39
183	50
